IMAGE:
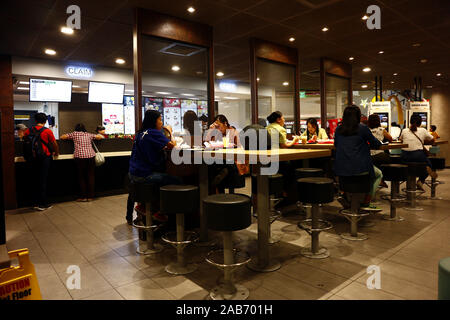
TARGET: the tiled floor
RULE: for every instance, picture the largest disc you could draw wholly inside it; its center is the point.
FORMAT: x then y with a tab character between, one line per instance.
95	237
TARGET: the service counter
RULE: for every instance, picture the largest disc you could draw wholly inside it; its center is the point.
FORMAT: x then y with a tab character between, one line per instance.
110	178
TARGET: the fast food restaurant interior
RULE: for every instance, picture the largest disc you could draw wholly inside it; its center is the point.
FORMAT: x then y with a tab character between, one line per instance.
347	99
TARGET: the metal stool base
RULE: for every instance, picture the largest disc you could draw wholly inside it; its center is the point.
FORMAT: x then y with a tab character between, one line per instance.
272	265
275	238
176	269
395	219
322	253
218	293
413	208
366	224
157	248
359	236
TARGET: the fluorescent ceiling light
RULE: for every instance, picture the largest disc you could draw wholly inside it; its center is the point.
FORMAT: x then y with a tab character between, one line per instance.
175	68
188	94
162	92
75	86
66	30
50	52
24	82
23	88
231	98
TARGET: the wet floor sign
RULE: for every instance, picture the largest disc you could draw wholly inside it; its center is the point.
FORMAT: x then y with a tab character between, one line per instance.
19	283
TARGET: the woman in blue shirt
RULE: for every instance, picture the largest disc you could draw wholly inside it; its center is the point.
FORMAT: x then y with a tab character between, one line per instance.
148	161
353	142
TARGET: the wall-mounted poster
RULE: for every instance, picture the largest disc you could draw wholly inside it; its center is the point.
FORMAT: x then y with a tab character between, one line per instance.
112	118
202	108
172	114
128	101
153	104
128	113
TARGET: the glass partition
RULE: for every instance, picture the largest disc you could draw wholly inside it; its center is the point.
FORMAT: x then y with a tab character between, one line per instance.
276	90
174	82
336	101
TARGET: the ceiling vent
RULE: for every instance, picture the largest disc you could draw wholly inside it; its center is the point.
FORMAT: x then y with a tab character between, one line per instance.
182	50
312	73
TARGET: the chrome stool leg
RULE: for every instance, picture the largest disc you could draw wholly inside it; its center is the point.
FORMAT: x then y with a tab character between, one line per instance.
394	199
411	191
151	247
354	216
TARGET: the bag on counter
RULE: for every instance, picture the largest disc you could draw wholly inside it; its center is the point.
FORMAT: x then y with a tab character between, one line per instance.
99	158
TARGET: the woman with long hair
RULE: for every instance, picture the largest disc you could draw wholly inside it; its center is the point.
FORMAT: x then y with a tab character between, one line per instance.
313	132
353	142
416	137
84	156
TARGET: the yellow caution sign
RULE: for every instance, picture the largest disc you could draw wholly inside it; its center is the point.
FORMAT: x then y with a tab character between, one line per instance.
19	283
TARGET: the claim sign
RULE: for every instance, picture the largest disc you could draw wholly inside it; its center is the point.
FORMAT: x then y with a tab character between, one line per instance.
79	72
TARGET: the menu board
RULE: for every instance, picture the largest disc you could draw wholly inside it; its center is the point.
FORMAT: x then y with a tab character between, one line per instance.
153	104
112	118
103	92
128	101
172	114
202	108
42	90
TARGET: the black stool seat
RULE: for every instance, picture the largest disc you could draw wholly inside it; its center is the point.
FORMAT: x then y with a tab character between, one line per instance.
394	172
176	199
233	182
315	190
355	184
276	184
228	212
144	192
416	169
437	163
308	172
396	159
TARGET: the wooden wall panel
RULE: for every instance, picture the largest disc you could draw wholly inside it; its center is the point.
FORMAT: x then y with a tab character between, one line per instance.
7	131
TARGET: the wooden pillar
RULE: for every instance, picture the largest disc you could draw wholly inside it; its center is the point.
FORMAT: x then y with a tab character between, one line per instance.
7	132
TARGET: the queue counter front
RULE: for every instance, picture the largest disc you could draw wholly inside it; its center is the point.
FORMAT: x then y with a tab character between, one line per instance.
110	178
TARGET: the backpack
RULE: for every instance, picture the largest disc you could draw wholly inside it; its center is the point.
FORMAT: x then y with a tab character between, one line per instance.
32	146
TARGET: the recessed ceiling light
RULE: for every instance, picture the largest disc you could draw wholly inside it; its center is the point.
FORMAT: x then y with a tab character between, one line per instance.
191	9
416	45
364	86
438	74
22	88
367	69
50	52
392	82
423	60
220	74
199	72
163	92
257	79
120	61
351	58
187	94
285	83
325	29
67	30
24	82
365	17
291	39
396	74
380	52
175	68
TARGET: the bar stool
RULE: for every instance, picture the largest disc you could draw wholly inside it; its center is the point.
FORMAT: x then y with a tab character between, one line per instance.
275	196
436	164
356	188
415	169
394	173
228	213
315	191
234	183
395	158
180	200
147	193
307	173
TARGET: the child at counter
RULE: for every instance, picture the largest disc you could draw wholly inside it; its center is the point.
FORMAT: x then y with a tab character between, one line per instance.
147	162
433	132
352	142
84	156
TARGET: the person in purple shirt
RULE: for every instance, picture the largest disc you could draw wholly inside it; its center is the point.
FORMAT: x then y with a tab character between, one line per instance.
147	162
353	142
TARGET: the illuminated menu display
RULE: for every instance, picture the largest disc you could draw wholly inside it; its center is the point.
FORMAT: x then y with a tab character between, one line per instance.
42	90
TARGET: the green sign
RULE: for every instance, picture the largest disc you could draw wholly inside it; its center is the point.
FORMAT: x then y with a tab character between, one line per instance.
302	94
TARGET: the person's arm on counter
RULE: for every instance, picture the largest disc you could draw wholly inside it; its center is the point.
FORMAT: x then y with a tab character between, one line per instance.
387	136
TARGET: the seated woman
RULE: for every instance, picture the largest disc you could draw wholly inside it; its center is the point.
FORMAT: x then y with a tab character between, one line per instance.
313	132
352	141
222	174
379	157
147	162
276	126
416	137
190	122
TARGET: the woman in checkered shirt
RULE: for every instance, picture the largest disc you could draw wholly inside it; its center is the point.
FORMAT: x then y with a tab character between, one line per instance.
84	156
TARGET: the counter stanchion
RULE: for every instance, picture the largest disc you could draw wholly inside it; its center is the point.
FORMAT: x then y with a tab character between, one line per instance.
203	184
